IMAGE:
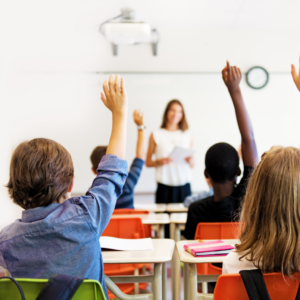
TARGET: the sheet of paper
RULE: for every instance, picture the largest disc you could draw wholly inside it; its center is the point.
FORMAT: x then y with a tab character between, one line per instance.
112	243
179	154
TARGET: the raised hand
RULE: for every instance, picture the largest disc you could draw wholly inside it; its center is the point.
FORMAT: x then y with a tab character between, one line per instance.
296	77
232	77
138	117
114	96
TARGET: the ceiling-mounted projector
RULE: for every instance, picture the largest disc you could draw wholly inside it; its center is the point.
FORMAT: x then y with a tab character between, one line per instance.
124	30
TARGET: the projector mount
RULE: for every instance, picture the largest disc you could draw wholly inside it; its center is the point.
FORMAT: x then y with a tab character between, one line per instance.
127	31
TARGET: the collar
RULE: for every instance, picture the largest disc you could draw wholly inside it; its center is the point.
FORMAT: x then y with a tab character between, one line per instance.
38	213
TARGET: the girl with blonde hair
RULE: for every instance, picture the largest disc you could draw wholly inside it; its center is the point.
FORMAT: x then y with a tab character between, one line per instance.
270	237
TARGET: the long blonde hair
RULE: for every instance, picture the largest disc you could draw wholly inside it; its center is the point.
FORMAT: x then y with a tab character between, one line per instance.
270	237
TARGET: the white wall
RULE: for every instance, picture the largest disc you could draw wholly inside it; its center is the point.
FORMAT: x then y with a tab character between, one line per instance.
50	52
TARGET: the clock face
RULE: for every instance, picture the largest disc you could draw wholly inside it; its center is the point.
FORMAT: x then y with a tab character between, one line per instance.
257	77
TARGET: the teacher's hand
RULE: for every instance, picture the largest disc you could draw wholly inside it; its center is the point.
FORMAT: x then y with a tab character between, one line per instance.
190	160
163	161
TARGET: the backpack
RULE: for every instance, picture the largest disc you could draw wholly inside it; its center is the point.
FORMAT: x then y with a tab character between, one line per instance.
58	287
255	285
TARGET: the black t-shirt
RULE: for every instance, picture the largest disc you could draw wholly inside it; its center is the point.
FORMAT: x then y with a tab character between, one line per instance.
207	210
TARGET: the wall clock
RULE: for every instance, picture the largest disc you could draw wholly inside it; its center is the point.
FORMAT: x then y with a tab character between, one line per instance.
257	77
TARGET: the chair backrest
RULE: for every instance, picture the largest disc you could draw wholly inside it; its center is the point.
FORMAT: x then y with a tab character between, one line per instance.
129	228
211	231
231	286
89	289
130	211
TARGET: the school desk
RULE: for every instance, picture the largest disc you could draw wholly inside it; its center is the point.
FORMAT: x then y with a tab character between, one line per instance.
162	252
176	208
177	223
158	220
152	207
190	270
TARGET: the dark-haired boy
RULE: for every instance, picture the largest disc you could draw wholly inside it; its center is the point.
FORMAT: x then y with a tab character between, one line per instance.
126	199
58	234
222	166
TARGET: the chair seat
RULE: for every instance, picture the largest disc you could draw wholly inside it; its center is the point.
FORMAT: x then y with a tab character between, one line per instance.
89	289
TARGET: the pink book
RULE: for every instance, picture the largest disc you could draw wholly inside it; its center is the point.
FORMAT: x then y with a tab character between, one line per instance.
211	248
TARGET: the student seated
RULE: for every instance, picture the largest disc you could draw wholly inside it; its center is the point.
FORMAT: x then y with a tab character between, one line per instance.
270	238
58	234
222	166
126	198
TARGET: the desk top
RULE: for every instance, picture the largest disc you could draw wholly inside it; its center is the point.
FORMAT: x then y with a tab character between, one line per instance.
152	207
162	252
176	207
186	257
178	218
147	219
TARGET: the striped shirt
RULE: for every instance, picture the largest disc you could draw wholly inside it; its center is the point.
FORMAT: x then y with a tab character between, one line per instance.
126	198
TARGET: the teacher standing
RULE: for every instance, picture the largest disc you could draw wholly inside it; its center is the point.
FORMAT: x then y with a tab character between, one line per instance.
173	179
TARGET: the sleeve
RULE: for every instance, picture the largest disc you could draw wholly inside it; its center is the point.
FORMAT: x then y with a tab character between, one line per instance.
242	186
133	176
191	224
100	200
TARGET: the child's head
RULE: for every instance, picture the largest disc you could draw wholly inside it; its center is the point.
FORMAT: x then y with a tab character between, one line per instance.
41	172
271	212
96	156
222	163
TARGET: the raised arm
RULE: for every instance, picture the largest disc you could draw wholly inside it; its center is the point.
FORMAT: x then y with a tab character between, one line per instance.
115	99
232	77
138	118
296	77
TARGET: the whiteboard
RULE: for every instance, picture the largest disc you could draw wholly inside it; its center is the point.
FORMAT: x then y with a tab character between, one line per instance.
66	107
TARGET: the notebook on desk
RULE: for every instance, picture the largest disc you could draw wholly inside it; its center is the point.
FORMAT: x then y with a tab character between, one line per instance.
210	248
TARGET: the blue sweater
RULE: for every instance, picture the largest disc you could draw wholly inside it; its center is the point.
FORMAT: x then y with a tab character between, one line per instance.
126	199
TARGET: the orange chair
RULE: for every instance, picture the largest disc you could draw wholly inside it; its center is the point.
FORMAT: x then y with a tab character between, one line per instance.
132	211
213	231
129	228
231	286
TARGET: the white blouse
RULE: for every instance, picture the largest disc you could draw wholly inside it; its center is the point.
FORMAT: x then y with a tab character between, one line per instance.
233	264
172	174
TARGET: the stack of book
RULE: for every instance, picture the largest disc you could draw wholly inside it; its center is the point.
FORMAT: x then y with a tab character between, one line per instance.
211	248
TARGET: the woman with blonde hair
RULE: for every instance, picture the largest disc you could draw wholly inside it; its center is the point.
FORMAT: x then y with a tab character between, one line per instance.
173	179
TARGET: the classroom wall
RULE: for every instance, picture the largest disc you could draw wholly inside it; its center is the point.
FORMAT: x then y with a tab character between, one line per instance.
53	60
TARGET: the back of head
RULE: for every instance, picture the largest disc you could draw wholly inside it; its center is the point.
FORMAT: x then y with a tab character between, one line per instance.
97	155
222	162
41	171
271	212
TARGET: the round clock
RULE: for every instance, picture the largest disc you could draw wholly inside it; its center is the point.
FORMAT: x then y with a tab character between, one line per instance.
257	77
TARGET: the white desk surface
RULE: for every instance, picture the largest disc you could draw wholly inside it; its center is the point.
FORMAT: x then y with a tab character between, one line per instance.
161	253
186	257
178	218
176	207
152	207
147	219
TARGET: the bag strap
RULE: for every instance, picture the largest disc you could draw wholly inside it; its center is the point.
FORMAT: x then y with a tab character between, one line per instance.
18	286
60	287
255	284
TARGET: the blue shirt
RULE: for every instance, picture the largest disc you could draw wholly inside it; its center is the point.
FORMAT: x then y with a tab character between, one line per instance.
126	199
64	238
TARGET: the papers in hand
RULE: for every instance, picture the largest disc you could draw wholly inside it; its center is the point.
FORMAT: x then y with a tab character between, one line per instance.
211	248
179	154
112	243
